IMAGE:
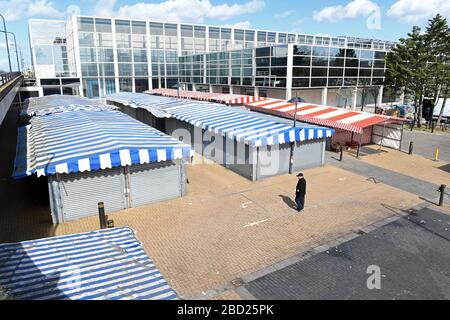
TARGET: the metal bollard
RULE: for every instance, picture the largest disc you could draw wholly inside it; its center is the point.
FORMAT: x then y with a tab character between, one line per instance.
101	215
411	146
441	196
436	155
341	153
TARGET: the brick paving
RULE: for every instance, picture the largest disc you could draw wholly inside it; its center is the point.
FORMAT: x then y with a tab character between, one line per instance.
412	253
227	227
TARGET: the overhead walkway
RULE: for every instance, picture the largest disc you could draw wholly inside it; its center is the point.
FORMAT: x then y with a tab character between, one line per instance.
9	86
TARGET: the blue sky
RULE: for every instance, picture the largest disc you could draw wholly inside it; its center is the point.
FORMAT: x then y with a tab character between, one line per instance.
383	19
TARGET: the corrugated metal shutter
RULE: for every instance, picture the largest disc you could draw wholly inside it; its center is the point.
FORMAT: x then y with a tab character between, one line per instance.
308	154
81	192
154	182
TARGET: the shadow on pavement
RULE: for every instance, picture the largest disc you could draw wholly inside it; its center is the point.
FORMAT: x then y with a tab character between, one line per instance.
287	200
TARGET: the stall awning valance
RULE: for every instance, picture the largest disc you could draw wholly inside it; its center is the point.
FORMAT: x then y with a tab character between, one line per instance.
80	141
338	118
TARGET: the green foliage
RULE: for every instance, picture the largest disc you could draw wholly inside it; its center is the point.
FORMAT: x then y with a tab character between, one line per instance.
419	63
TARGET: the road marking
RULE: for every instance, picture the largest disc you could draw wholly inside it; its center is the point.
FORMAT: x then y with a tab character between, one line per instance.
255	223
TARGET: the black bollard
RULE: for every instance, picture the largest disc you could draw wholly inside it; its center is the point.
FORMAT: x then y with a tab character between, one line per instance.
411	146
341	153
101	215
441	196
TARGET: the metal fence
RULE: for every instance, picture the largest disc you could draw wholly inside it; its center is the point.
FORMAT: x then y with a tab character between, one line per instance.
7	77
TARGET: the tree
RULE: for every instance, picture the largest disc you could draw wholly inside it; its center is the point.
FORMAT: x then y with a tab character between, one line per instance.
347	92
437	40
419	64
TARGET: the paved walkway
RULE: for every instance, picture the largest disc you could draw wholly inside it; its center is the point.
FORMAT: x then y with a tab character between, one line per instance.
413	254
425	143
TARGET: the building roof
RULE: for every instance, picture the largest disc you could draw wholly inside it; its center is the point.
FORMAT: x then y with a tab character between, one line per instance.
104	264
55	103
80	141
338	118
245	127
230	99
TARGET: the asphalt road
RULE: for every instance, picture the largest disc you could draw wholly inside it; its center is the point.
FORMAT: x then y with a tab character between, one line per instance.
412	253
425	144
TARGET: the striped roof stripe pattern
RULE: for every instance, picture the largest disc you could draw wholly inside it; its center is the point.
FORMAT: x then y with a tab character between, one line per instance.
39	106
86	141
339	118
232	99
245	127
105	264
153	104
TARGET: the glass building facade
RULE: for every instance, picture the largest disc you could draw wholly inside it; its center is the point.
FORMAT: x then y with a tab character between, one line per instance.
105	56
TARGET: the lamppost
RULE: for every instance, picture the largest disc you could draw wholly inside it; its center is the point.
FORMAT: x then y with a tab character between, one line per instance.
295	100
7	43
15	45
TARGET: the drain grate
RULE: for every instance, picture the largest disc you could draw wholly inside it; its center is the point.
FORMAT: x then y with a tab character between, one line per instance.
238	282
374	180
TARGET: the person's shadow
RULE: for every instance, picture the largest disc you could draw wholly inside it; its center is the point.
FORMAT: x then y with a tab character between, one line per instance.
290	203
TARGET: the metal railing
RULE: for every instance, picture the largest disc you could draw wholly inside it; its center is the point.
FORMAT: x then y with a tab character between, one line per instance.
7	77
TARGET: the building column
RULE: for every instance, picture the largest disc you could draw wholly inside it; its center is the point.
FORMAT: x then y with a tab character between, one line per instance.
256	92
380	96
194	87
402	96
210	88
231	89
354	98
324	96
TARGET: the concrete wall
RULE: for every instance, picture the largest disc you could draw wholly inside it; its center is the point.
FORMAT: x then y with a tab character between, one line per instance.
8	99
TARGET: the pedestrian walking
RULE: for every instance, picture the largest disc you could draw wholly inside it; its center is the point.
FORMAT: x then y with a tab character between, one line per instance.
300	192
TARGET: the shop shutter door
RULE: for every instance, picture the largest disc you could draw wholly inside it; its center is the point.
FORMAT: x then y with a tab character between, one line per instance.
308	154
154	182
81	192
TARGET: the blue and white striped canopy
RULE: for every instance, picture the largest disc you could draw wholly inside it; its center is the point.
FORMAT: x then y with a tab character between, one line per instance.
154	104
243	126
105	264
39	106
80	141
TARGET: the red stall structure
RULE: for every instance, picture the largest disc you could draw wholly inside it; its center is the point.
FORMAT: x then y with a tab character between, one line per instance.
224	98
352	128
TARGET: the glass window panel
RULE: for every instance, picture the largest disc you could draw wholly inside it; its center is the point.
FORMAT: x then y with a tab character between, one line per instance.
378	72
140	55
365	63
301	72
262	62
199	32
351	53
239	34
365	72
320	52
353	63
125	85
123	26
380	54
87	55
263	52
366	54
300	82
271	36
124	55
275	61
140	85
90	88
249	35
337	52
261	36
140	69
44	54
89	70
378	64
301	61
214	33
86	24
138	27
351	72
336	72
225	33
156	28
335	82
318	82
280	51
86	39
302	50
320	61
125	70
280	72
104	39
319	72
187	31
105	55
103	25
336	62
106	69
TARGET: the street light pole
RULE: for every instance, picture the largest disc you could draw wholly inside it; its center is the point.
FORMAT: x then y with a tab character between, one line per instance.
7	43
15	45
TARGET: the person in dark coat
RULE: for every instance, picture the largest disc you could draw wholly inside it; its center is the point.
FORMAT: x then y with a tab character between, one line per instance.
300	192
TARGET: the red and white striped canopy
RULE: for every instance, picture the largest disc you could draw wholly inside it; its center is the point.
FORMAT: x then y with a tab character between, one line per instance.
339	118
231	99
